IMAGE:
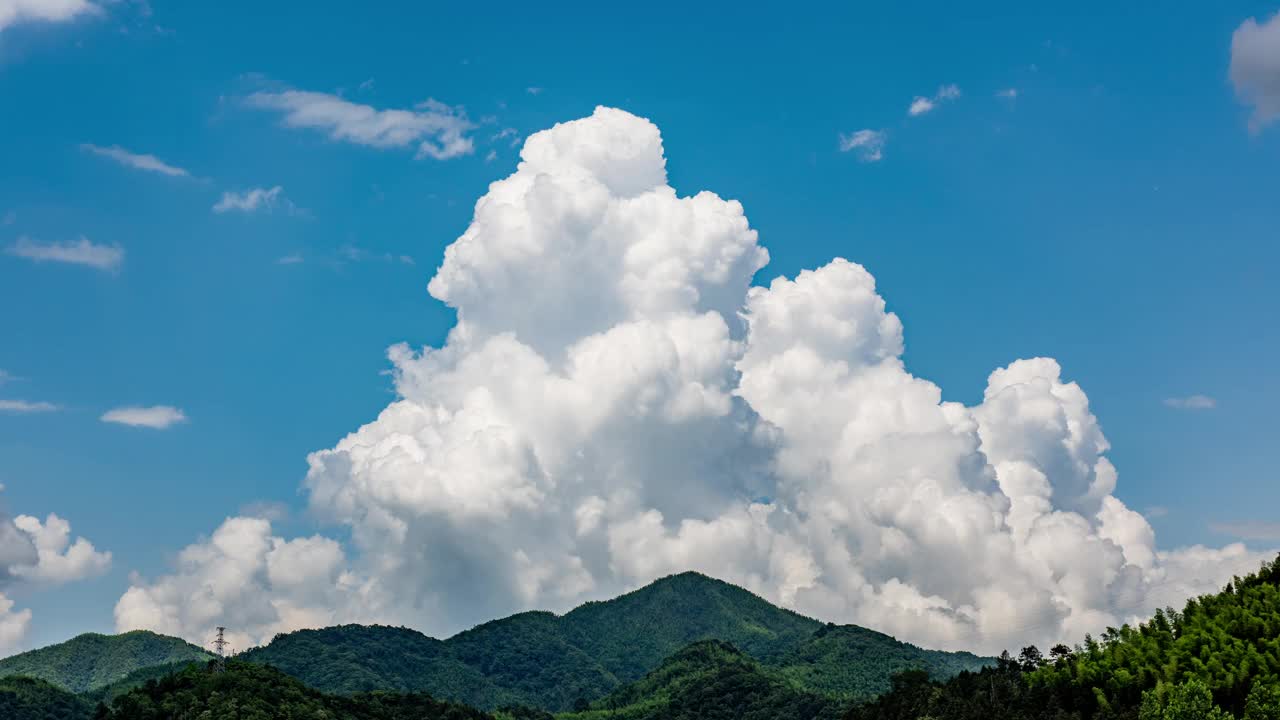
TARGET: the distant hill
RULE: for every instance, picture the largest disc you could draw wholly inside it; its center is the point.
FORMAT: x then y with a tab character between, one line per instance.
246	690
24	698
543	660
709	680
91	661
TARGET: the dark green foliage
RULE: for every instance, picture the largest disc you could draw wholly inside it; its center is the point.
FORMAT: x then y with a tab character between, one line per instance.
851	662
91	661
137	678
24	698
538	659
256	692
630	635
711	680
1218	658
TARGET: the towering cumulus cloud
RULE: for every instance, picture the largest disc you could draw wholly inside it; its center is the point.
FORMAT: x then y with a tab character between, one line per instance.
616	403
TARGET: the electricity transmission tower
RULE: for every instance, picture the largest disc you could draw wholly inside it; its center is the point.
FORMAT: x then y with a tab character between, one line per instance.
220	644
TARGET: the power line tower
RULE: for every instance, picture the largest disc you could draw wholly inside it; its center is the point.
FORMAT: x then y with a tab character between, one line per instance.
220	644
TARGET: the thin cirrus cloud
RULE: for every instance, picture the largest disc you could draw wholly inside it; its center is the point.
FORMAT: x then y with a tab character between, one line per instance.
137	161
1249	529
867	144
921	105
1255	68
1008	93
437	130
156	417
80	252
264	199
1191	402
13	12
24	407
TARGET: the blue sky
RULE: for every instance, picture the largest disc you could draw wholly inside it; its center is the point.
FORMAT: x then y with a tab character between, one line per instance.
1118	214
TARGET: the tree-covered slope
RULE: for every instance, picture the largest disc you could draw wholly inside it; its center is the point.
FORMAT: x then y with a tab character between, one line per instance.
24	698
137	678
91	661
258	692
539	659
856	663
710	680
631	634
1218	658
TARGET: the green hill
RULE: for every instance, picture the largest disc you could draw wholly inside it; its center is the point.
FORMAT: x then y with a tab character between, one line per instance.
137	678
24	698
246	690
710	680
539	659
91	661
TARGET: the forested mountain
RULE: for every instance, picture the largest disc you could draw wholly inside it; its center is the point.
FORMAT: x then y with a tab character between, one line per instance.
246	690
24	698
543	660
91	661
710	680
1219	657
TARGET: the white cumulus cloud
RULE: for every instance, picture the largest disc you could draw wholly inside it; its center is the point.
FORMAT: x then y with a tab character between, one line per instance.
80	252
246	579
1255	68
13	12
36	554
138	161
617	402
157	417
867	143
439	131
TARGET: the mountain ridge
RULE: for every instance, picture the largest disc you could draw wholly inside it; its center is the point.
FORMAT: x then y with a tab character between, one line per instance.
551	661
94	660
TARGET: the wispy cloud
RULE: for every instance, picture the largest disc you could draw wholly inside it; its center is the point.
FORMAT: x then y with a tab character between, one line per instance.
265	199
6	377
505	133
138	161
921	105
13	12
1249	529
1191	402
24	406
80	252
439	131
1008	93
533	90
868	144
1156	511
294	259
157	417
